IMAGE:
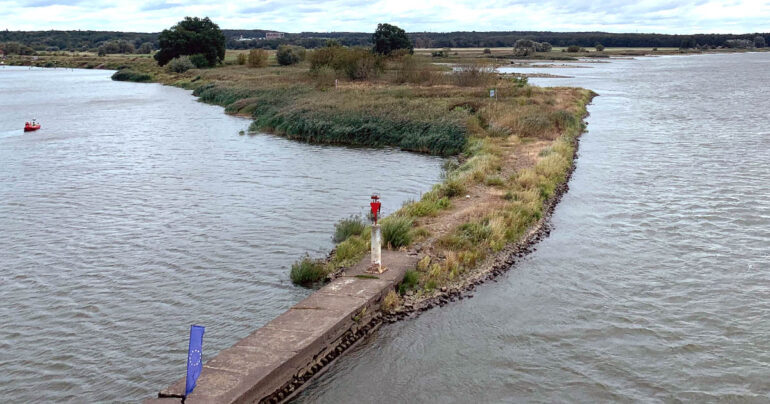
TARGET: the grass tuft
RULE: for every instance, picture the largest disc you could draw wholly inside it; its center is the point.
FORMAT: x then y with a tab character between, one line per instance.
397	231
411	279
307	271
352	226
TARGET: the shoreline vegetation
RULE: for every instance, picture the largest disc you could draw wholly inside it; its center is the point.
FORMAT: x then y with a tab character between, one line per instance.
511	154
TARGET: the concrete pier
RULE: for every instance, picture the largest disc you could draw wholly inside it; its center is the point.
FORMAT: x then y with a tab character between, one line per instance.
274	362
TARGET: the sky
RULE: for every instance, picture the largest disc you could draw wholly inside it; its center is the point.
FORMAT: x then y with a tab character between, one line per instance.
662	16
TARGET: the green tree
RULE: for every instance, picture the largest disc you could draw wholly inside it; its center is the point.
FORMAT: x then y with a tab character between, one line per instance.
192	36
388	38
759	41
145	48
599	47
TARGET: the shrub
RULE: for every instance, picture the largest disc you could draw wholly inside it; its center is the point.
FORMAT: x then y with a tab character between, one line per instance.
130	75
487	51
257	58
180	64
573	49
352	226
599	47
145	48
355	63
241	59
289	55
307	271
543	47
200	60
397	231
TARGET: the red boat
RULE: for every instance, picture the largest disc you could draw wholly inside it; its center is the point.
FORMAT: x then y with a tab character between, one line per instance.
31	126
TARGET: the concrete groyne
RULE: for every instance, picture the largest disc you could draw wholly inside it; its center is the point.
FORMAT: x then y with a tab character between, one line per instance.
273	363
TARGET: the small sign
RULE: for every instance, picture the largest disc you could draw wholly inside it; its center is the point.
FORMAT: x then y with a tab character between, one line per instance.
492	93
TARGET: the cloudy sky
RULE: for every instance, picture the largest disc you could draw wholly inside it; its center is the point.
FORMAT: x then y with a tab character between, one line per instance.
665	16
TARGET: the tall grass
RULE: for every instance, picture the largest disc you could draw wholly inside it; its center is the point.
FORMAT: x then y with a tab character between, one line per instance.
351	226
352	118
474	75
307	271
257	58
397	231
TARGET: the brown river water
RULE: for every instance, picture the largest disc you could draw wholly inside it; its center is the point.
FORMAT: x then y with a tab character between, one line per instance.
136	211
654	285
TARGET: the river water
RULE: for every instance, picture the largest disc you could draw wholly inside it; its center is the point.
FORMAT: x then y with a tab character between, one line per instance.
136	211
655	282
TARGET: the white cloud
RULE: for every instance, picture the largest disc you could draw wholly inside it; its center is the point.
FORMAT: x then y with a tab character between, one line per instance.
666	16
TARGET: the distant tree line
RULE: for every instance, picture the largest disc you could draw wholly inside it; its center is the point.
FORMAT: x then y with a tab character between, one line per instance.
92	40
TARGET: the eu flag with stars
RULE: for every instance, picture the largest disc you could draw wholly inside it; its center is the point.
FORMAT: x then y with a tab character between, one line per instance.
194	353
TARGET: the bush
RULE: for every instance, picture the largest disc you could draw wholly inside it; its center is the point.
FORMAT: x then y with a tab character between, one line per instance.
200	61
130	75
599	47
180	64
397	231
289	55
543	47
306	271
352	226
573	49
145	49
257	58
241	59
355	63
487	51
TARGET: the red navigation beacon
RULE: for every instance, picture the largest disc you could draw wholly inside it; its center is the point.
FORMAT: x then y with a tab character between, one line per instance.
375	204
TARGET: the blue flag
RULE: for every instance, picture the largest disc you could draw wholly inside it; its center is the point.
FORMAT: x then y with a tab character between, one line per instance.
194	353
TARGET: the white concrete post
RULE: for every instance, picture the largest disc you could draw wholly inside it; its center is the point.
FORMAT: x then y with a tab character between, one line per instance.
376	248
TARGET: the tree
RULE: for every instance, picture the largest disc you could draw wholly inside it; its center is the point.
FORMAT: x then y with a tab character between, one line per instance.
599	47
759	41
388	38
145	48
192	36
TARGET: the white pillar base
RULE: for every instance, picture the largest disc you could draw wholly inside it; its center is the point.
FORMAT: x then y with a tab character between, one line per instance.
376	266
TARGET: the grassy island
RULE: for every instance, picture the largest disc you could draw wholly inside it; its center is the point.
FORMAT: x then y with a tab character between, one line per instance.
512	151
